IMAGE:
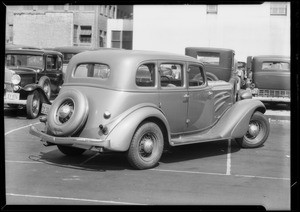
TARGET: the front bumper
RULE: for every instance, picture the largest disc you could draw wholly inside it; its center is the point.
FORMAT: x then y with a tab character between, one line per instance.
272	99
15	102
69	140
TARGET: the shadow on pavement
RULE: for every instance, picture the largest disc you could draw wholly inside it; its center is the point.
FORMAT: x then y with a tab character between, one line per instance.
101	162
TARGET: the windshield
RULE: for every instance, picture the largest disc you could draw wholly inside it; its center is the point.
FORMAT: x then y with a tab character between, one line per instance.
209	57
20	60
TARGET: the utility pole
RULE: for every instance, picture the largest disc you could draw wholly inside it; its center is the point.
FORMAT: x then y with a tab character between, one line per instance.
96	28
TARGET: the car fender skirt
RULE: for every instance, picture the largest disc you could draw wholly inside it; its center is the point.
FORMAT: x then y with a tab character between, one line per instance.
235	122
121	135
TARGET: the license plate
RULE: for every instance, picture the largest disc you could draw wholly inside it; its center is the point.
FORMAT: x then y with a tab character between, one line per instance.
45	108
12	96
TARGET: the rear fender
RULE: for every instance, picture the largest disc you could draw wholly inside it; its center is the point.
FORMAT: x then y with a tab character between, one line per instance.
31	87
235	122
121	133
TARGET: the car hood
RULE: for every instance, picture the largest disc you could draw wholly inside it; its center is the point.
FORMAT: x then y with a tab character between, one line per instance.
272	80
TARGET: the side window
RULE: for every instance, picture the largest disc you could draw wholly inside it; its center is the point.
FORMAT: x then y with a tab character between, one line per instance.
196	76
59	62
171	75
145	75
51	62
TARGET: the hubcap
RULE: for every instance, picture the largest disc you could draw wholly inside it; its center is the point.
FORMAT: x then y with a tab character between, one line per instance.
253	129
65	111
147	145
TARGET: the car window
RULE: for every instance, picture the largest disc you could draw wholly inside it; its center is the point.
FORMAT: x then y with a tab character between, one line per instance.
212	58
94	70
171	75
275	66
51	62
196	76
145	75
34	61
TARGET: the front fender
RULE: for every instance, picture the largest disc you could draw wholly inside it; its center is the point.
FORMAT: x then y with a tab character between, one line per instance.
121	134
32	87
235	122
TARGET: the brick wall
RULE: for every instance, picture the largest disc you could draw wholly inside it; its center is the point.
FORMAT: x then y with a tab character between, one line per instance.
43	30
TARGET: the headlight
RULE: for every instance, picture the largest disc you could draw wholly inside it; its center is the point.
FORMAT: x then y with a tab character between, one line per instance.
15	79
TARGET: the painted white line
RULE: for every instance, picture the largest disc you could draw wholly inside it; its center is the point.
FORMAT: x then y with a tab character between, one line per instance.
188	172
219	174
262	177
21	128
228	165
73	199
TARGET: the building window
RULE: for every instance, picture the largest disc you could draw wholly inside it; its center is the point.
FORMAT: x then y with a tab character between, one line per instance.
75	35
10	33
28	7
73	7
127	40
58	7
278	8
116	39
121	39
212	9
42	7
85	34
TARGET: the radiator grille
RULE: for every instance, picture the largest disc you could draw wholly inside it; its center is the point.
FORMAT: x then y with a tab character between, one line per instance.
274	93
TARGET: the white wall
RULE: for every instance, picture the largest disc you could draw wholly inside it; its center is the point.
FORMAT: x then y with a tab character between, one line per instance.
248	29
43	29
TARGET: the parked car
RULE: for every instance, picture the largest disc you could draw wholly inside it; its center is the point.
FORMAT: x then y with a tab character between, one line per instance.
269	78
220	62
32	76
69	51
124	101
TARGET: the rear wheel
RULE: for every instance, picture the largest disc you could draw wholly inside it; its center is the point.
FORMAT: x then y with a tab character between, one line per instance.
33	104
146	146
258	132
71	151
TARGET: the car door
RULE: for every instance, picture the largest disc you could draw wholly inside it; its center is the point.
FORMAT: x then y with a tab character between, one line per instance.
54	71
173	94
200	105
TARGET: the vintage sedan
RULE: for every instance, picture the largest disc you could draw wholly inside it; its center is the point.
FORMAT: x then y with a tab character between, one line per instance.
125	101
269	78
32	76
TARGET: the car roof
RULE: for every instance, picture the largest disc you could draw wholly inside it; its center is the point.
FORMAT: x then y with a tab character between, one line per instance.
77	49
136	56
30	51
209	49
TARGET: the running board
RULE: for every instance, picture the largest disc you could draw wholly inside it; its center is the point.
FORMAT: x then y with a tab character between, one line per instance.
198	138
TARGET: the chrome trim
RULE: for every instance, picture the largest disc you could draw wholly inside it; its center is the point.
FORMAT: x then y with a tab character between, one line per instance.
272	99
69	140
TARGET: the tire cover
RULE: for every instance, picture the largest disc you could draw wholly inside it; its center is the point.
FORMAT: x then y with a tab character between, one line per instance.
76	120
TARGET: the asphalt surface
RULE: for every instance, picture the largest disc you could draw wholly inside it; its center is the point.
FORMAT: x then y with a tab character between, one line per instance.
212	173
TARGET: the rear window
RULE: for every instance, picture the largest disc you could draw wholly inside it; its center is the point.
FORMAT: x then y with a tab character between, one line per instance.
276	66
212	58
93	70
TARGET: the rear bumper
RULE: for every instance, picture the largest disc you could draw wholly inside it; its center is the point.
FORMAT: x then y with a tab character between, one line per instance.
69	140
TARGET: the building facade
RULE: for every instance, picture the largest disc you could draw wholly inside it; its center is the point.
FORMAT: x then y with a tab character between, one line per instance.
48	26
248	29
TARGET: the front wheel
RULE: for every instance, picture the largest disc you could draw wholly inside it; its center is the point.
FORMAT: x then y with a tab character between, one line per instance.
258	132
33	105
146	146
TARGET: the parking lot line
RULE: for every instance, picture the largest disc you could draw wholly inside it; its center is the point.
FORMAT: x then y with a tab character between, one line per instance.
21	128
74	199
228	164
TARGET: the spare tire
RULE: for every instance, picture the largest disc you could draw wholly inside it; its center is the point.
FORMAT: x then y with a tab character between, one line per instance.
68	113
211	77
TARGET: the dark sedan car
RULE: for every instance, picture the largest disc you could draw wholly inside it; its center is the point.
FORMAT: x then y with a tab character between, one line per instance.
32	76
